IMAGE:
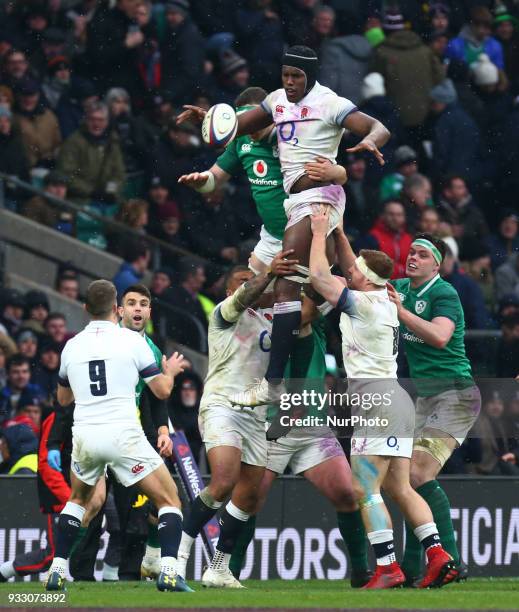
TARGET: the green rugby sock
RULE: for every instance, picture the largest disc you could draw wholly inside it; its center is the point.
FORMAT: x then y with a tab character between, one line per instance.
413	560
153	536
240	548
438	501
354	535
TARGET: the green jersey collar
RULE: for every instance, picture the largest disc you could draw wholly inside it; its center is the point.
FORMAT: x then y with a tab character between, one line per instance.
427	286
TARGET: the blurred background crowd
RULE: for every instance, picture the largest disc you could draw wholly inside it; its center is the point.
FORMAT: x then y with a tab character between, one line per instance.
89	94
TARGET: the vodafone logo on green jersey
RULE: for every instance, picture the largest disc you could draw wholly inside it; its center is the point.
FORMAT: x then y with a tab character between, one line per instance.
260	168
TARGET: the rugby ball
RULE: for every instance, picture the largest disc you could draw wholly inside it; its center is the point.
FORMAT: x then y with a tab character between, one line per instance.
220	125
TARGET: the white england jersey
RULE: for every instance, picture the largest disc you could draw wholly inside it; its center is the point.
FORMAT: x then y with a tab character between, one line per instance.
369	327
102	365
238	355
307	129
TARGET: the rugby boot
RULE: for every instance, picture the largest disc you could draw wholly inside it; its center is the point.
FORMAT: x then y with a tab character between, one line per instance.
55	581
386	577
441	569
359	578
220	579
172	582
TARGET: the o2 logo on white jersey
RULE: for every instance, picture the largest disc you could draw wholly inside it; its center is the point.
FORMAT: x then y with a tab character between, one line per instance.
264	341
420	306
260	168
286	132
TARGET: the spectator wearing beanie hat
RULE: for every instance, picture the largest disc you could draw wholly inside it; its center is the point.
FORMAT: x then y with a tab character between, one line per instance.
57	80
232	78
456	136
506	31
475	38
170	231
19	446
409	67
406	163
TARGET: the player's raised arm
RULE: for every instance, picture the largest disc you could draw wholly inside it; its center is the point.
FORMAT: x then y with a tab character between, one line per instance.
320	276
253	120
251	290
374	134
343	249
207	181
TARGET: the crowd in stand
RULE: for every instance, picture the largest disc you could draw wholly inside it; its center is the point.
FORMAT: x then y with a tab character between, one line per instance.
90	91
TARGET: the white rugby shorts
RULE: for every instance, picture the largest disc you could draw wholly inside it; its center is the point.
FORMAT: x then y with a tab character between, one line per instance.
224	426
300	205
126	451
268	247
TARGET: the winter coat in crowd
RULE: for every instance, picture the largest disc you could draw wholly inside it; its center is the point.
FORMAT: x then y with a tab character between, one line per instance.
463	47
456	143
394	244
507	277
91	164
13	160
344	64
111	62
410	70
183	54
40	134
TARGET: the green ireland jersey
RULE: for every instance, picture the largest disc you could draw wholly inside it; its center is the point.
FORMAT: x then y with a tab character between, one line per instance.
158	360
308	367
260	161
434	369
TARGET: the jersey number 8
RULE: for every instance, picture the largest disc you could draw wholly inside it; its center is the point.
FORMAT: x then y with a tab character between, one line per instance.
97	373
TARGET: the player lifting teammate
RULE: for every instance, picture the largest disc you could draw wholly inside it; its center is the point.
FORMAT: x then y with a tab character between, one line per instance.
433	329
310	120
99	370
369	328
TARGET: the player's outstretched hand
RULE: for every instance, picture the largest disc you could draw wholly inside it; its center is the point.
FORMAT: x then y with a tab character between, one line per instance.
165	445
394	297
320	219
281	265
370	147
194	180
174	365
192	113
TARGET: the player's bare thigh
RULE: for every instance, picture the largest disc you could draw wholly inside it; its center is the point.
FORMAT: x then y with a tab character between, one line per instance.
333	479
160	488
424	465
299	238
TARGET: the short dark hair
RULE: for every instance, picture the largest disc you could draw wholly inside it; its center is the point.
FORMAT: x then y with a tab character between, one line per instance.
134	250
251	95
100	297
389	201
438	242
54	316
137	288
378	261
17	360
188	266
449	178
234	270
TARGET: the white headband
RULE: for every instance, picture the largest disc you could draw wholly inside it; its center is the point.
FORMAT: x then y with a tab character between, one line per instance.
361	264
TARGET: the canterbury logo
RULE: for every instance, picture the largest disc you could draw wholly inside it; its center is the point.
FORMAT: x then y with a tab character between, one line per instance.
74	523
161	525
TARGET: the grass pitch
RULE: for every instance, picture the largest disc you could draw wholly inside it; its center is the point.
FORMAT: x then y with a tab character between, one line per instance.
475	594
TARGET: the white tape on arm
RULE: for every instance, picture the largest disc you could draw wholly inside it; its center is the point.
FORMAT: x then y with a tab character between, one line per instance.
209	185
